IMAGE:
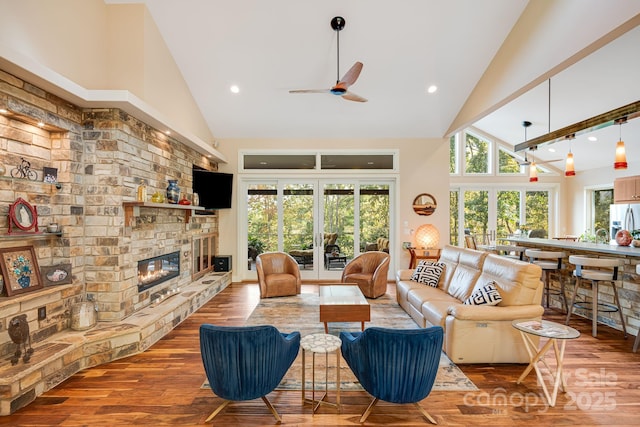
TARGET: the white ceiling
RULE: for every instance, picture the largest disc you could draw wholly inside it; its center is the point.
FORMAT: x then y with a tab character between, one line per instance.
269	47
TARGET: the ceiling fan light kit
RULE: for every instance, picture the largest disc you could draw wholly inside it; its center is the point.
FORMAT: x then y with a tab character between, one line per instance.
341	88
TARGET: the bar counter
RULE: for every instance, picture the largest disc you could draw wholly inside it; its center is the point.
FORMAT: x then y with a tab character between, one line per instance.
629	291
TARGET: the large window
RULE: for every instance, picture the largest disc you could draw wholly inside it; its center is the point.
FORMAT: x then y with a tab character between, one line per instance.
602	200
476	154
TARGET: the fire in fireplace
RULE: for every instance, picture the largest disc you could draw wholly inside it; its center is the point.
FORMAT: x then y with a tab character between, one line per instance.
153	271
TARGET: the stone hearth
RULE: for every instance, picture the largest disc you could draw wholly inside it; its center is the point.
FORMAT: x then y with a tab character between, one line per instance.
69	351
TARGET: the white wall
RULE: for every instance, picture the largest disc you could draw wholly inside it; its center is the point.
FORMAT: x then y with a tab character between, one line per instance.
99	46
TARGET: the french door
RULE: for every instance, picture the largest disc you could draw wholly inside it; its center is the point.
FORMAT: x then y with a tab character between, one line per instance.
322	223
496	213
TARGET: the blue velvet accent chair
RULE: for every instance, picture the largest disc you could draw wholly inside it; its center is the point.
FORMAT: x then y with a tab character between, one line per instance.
394	365
244	363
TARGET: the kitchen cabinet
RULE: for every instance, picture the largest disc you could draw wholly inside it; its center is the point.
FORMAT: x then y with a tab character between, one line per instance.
627	189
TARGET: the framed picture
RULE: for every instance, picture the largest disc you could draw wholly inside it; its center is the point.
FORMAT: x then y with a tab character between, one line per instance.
20	270
56	274
23	216
50	175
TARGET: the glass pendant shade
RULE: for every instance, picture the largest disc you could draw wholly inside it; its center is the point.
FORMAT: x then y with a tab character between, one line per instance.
427	236
533	172
621	156
569	167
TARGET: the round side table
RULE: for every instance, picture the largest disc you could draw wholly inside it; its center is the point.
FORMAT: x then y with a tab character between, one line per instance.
318	344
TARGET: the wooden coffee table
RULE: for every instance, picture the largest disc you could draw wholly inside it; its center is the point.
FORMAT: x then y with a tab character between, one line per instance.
343	303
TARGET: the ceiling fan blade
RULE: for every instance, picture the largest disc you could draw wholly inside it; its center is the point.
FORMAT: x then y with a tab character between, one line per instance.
309	91
350	96
352	75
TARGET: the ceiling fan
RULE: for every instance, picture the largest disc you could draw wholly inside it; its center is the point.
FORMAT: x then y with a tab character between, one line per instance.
526	161
341	88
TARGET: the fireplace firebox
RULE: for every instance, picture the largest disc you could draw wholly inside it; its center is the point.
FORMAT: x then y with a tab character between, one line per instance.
153	271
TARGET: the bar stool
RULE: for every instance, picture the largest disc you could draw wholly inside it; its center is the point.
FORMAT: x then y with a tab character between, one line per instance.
607	272
511	251
551	264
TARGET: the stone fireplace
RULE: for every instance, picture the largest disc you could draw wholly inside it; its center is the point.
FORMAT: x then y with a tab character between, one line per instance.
153	271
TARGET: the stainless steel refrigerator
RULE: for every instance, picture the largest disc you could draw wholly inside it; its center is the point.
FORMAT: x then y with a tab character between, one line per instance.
624	217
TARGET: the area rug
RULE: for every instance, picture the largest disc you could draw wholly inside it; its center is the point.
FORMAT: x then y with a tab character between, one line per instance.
301	313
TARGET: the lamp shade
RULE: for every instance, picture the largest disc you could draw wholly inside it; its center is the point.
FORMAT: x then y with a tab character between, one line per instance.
569	167
533	172
621	156
427	236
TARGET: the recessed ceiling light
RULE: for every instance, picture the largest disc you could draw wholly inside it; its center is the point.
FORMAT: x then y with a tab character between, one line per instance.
552	150
234	89
432	89
41	124
592	138
167	132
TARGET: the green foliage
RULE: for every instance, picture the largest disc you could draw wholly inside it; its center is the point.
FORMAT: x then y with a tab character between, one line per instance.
454	197
453	156
298	215
476	154
602	200
507	163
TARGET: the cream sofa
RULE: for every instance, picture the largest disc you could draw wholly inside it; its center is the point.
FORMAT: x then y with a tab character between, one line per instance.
476	333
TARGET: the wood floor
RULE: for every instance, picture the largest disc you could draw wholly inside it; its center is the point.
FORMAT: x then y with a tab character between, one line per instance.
162	387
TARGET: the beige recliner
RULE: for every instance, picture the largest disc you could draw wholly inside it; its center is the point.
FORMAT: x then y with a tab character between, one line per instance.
369	271
278	275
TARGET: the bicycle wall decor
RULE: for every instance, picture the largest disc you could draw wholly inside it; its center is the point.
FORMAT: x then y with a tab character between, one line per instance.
23	170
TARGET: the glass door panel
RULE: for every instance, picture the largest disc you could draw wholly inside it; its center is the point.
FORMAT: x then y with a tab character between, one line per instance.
537	213
374	214
298	222
508	215
262	220
338	225
476	215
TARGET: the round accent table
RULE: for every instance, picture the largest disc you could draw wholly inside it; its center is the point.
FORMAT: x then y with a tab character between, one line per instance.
553	332
318	344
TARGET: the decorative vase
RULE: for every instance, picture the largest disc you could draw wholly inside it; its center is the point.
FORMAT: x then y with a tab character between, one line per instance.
173	191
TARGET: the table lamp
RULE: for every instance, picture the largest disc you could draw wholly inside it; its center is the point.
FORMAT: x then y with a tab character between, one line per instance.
427	236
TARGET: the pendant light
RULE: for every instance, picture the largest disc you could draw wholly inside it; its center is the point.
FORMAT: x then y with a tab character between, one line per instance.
533	171
621	155
569	169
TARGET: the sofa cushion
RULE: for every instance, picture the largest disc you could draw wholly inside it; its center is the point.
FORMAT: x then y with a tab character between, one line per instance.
466	275
517	281
485	295
428	272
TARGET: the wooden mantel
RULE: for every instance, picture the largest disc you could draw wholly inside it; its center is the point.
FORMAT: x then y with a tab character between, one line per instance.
132	210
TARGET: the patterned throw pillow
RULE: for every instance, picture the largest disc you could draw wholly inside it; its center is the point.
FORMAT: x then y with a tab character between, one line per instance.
428	272
486	295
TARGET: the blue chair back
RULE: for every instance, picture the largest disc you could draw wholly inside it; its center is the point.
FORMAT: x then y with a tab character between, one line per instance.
394	365
244	363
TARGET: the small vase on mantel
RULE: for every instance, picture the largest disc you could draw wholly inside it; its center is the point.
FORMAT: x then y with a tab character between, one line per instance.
173	192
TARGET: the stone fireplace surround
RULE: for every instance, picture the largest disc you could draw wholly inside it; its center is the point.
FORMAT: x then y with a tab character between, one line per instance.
102	155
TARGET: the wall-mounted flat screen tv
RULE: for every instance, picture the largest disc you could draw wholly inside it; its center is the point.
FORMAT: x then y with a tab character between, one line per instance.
214	188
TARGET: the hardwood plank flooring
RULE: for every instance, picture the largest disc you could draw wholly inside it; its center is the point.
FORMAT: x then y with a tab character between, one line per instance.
161	387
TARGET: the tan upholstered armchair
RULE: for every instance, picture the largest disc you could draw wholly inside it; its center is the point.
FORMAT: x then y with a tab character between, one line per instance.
369	271
278	275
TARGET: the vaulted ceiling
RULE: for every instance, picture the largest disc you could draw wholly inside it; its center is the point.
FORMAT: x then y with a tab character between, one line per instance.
267	48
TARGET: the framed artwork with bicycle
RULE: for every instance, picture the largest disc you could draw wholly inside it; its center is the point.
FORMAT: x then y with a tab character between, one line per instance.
23	216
